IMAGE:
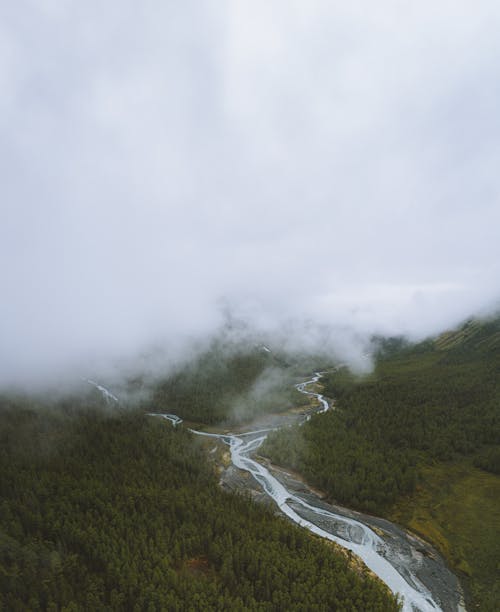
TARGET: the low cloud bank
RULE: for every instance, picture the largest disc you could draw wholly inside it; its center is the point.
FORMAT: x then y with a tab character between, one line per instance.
324	173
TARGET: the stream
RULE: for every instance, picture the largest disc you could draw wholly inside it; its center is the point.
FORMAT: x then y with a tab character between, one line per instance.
409	566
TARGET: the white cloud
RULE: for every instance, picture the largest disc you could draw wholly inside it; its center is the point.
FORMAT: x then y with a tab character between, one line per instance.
331	162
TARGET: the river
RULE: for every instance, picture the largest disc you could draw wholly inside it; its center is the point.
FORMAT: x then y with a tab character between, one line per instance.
410	567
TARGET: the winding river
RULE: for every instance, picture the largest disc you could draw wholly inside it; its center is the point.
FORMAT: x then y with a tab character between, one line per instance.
347	532
408	566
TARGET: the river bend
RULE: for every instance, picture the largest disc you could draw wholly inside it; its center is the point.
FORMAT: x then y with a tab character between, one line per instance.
408	566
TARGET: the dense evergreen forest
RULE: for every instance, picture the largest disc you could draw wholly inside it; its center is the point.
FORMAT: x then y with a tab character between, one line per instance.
115	510
103	508
432	404
227	384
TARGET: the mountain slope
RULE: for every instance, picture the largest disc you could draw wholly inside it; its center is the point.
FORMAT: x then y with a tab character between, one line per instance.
227	384
424	411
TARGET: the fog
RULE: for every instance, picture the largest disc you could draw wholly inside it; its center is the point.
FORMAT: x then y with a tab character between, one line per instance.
321	170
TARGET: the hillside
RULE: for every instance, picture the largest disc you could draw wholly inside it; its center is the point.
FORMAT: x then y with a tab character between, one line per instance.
227	384
107	509
429	414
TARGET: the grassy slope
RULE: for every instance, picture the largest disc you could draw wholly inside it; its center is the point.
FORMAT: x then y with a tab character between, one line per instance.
456	507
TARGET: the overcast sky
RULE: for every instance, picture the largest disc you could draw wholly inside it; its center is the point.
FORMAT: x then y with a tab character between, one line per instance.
335	163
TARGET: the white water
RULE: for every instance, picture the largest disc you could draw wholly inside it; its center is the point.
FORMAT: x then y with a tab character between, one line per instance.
302	388
173	418
105	392
356	536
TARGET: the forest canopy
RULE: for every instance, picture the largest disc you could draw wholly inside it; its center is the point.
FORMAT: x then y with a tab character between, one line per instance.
122	511
435	401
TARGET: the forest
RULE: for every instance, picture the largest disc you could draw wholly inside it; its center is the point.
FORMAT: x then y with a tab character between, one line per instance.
432	404
106	508
111	509
429	402
226	384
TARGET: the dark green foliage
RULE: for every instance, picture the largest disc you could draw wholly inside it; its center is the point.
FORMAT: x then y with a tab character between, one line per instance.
430	402
489	459
122	512
211	388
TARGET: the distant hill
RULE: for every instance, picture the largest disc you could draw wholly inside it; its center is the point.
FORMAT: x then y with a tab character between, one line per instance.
474	335
227	383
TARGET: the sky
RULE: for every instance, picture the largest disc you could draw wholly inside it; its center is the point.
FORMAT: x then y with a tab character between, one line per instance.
311	167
